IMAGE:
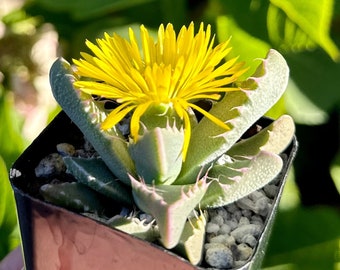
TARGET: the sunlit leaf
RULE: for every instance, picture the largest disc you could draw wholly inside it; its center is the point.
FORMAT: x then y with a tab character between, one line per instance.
11	141
301	25
247	47
305	238
85	9
315	89
252	19
302	108
335	171
8	220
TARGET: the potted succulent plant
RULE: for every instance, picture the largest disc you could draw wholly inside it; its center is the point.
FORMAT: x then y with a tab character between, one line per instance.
174	133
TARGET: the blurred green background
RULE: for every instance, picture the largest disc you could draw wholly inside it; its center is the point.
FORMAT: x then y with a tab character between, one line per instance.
307	32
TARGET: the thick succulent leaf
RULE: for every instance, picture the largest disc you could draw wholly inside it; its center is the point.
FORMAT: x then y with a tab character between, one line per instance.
238	163
170	205
240	109
96	175
228	170
192	239
233	181
157	155
274	138
134	226
75	196
87	115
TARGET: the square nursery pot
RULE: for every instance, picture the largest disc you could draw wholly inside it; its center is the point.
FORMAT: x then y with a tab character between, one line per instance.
57	238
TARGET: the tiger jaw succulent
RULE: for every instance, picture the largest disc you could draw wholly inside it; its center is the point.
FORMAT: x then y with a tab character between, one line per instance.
171	163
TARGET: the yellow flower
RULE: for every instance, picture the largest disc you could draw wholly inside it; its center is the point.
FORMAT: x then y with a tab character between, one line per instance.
174	71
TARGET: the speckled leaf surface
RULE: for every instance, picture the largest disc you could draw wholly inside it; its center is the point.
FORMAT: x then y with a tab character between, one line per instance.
240	109
171	206
224	190
78	106
96	175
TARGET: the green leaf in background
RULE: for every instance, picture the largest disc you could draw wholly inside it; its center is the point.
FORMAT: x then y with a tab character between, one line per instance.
11	140
244	45
9	234
305	238
302	108
300	25
314	89
87	9
335	171
250	15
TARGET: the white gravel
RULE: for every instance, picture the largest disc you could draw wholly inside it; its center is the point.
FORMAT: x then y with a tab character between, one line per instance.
233	230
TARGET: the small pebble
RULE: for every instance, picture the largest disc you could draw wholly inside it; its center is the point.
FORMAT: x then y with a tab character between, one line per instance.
249	239
256	195
66	149
208	236
252	229
244	252
246	204
262	203
256	219
81	153
247	213
237	215
217	220
224	229
212	213
223	213
232	223
213	245
230	241
262	206
231	208
271	190
219	257
50	165
243	221
87	151
212	228
222	238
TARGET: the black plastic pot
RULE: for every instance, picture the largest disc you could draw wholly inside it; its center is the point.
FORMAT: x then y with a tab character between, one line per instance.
56	238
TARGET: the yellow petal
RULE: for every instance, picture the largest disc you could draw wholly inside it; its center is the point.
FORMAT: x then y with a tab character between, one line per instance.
117	115
135	119
174	69
210	116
